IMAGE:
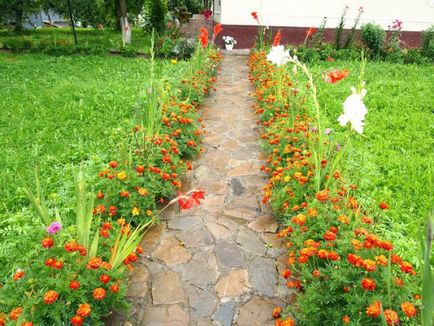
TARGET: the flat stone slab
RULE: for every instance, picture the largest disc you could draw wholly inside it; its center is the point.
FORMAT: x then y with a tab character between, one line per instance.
201	270
250	242
167	289
225	313
229	255
197	237
171	251
256	312
264	224
165	316
202	303
263	276
139	279
233	285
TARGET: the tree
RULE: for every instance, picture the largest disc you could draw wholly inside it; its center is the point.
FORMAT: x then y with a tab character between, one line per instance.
17	10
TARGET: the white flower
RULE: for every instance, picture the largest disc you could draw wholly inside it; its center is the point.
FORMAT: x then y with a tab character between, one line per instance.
278	55
229	40
354	111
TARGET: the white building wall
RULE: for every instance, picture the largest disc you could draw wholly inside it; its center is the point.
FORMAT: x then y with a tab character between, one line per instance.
416	15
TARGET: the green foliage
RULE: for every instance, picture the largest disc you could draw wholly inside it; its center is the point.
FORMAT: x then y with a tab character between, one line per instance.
428	43
373	37
428	274
340	29
156	13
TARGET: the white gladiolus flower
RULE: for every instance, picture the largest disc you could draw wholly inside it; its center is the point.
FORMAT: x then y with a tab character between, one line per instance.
354	111
278	55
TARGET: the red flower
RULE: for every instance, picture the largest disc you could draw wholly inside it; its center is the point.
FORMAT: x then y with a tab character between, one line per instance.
335	75
190	199
84	310
277	39
374	310
114	288
368	284
47	242
407	268
27	323
50	296
203	37
77	320
346	319
330	236
14	314
286	274
409	309
19	274
98	294
217	30
104	278
310	32
391	317
255	16
74	285
276	312
58	264
113	164
94	263
316	273
140	169
384	206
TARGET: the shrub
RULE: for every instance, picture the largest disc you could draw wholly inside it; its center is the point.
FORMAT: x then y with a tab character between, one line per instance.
155	13
18	45
373	37
414	56
428	43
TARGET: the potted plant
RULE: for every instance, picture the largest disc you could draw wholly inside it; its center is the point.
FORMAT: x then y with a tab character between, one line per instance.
229	42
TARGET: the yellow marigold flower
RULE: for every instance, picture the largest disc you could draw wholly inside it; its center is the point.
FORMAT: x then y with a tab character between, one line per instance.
135	211
174	61
122	175
149	212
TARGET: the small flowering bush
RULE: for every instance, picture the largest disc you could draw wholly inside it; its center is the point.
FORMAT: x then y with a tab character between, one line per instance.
340	269
75	274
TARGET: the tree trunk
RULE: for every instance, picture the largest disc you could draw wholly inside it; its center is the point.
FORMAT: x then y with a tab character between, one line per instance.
19	19
126	28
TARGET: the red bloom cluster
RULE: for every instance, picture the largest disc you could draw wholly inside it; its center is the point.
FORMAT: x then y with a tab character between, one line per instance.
203	37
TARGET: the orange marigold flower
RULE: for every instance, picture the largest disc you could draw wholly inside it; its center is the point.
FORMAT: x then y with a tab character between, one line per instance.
346	319
27	323
71	246
369	265
114	288
374	310
398	281
316	273
299	219
77	320
47	242
356	244
381	260
355	260
406	268
84	310
104	278
286	274
50	296
383	205
58	264
19	274
333	256
15	313
74	285
113	164
391	317
94	263
323	195
368	284
409	309
330	236
312	212
98	294
396	259
343	219
276	312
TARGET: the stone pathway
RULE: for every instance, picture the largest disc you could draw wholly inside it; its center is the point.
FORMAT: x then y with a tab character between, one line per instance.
216	264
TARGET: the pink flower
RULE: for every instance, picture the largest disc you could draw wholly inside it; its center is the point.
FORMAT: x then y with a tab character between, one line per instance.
54	227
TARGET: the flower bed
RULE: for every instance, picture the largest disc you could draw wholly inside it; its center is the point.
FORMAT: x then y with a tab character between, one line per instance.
75	272
341	271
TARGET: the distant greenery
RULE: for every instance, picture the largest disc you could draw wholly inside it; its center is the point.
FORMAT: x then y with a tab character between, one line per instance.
394	163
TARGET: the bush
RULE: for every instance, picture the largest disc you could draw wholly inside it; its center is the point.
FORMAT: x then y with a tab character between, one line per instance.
155	13
414	56
18	45
373	37
428	43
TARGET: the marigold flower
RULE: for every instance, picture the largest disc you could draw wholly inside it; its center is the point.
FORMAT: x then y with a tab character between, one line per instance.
368	284
355	260
383	205
323	195
27	323
99	294
381	260
19	274
343	219
316	273
369	265
74	285
391	317
122	175
276	312
299	219
104	278
374	310
409	309
398	281
15	313
396	259
77	320
84	310
114	288
286	274
47	242
329	236
94	263
135	211
356	244
346	319
58	264
407	268
113	164
50	296
71	246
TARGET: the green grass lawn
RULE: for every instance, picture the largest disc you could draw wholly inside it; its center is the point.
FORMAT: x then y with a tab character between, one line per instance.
394	162
56	112
108	38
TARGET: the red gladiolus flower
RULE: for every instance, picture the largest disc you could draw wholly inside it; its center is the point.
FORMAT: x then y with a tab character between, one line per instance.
104	278
74	285
391	317
409	309
84	310
77	320
98	294
277	39
190	199
50	296
335	75
310	32
217	30
47	242
255	16
203	37
374	310
368	284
